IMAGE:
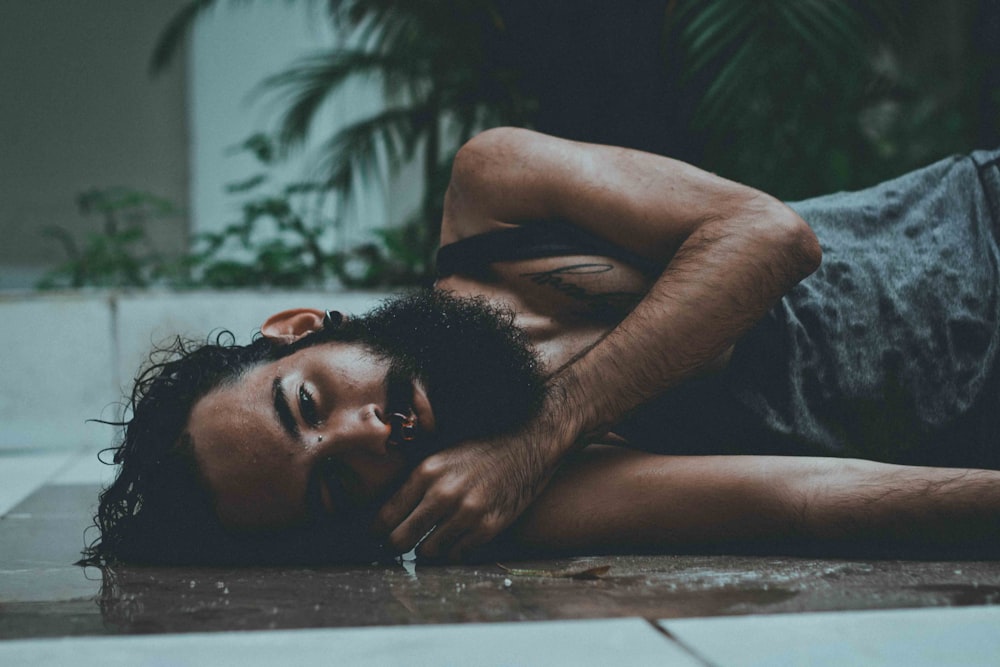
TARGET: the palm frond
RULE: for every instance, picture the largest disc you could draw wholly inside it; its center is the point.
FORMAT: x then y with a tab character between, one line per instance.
355	152
169	41
310	81
829	32
718	12
447	27
740	42
705	47
721	100
177	29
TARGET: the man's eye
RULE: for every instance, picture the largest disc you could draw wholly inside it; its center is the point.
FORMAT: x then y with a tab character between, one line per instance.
307	406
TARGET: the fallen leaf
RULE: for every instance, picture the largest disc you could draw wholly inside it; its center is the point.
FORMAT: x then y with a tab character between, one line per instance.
580	573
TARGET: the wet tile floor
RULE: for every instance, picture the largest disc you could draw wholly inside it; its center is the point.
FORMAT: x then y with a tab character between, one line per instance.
690	609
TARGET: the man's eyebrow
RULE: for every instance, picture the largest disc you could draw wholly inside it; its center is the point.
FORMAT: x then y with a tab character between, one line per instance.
284	412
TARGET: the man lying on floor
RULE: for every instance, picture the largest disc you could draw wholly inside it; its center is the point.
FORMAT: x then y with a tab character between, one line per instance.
618	355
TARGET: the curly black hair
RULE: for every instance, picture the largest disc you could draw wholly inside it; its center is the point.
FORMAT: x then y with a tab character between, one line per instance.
159	509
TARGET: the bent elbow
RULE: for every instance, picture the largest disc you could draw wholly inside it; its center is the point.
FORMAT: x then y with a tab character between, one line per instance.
485	148
806	246
797	240
484	159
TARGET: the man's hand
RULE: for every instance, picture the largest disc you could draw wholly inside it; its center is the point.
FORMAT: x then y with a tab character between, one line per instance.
469	493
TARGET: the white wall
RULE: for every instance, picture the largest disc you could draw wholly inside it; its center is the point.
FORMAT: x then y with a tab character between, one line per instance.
79	110
233	49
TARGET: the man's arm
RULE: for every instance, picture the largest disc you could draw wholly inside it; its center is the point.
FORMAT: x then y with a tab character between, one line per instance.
615	499
731	253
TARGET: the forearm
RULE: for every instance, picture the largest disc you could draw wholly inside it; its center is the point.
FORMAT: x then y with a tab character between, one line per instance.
724	278
610	498
880	505
613	499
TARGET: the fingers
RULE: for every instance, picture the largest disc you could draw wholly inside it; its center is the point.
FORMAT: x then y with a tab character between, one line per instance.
470	527
400	505
456	523
440	539
409	533
454	501
424	501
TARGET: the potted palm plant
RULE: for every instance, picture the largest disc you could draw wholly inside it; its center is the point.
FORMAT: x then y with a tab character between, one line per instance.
440	84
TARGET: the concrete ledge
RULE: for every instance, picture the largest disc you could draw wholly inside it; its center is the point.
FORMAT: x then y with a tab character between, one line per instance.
69	357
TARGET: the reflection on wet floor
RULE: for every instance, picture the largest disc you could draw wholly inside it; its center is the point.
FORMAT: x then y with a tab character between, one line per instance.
43	594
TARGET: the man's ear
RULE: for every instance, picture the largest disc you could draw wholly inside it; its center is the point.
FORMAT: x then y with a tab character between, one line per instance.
290	325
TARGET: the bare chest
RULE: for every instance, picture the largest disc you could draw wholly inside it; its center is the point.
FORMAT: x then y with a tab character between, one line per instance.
564	304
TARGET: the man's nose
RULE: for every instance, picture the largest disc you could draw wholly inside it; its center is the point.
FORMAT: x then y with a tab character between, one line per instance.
358	429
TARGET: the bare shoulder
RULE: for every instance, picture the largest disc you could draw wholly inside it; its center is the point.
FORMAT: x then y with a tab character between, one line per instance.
649	204
492	178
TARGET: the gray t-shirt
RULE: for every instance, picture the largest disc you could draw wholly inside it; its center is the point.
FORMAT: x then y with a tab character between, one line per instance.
888	351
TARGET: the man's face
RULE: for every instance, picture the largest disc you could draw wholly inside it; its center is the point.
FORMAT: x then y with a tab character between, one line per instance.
313	435
306	436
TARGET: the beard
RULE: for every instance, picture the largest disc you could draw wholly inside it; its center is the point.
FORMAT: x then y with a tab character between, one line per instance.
481	375
482	379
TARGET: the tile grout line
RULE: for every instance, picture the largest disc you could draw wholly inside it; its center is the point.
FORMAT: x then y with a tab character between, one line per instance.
67	464
67	460
666	633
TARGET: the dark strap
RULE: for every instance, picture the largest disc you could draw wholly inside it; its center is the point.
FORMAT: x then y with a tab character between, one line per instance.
472	256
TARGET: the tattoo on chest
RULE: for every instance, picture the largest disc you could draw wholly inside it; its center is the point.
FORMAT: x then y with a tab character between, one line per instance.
600	304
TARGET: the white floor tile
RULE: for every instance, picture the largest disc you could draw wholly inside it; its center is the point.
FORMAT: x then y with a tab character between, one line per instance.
57	357
85	468
20	475
631	642
907	638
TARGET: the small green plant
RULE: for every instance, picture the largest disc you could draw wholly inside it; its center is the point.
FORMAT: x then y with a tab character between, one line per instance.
272	245
432	58
120	253
281	240
397	260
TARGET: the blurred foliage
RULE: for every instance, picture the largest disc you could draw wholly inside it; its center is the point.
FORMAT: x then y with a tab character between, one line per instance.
120	253
795	97
278	241
804	97
439	85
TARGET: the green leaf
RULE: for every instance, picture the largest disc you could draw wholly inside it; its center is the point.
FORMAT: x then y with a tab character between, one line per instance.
173	35
309	82
246	185
260	145
354	150
724	36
